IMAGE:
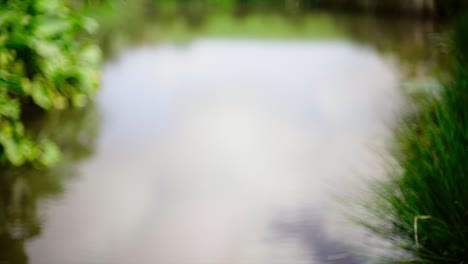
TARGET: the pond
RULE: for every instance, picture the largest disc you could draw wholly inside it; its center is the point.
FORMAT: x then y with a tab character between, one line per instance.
231	146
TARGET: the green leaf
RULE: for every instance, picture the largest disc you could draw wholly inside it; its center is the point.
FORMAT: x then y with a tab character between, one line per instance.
12	150
51	27
9	107
90	25
56	7
50	153
45	48
90	55
40	95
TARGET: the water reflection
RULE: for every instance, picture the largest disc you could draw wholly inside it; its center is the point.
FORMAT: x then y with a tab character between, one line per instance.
412	40
307	228
24	190
226	151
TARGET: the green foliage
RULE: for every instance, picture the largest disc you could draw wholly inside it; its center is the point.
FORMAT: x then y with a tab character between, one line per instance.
424	208
46	61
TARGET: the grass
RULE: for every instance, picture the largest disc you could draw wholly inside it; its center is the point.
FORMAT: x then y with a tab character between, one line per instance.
423	209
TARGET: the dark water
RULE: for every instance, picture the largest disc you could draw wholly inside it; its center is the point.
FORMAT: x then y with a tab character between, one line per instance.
221	150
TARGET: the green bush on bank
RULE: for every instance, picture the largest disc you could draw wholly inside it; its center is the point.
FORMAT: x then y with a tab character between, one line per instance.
45	62
424	208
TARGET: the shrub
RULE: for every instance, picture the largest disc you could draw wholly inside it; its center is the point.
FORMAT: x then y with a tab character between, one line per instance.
47	62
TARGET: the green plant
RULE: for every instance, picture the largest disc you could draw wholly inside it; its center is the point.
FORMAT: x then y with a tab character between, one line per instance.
46	61
424	207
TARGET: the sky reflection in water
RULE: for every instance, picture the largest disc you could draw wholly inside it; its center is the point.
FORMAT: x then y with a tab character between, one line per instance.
227	151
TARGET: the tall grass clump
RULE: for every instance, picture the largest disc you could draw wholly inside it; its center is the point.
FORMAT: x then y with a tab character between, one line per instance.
46	63
423	209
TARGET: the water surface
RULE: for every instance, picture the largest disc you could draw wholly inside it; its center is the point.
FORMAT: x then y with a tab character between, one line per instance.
225	151
217	150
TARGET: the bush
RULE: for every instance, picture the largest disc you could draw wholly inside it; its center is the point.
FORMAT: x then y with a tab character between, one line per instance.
45	62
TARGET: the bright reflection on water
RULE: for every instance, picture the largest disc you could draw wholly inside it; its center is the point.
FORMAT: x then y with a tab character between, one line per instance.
227	151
